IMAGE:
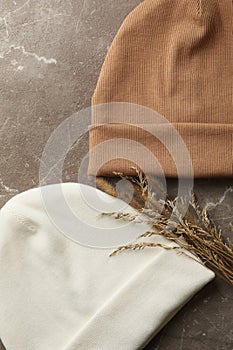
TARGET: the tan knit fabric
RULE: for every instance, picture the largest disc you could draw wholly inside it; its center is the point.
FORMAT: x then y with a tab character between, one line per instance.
176	58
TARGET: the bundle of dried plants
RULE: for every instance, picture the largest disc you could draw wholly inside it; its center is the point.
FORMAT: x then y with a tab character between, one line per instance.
192	232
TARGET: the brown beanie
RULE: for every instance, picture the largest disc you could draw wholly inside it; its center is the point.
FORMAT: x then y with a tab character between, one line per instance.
174	57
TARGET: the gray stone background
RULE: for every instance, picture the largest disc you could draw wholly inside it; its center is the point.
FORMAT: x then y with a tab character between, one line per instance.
51	52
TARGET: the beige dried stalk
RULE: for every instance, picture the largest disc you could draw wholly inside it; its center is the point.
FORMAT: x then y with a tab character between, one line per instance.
194	232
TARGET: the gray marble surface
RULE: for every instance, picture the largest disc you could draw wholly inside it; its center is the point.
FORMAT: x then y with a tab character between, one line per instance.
51	53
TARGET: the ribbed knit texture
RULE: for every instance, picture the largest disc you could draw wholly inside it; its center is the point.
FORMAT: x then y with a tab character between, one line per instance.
176	58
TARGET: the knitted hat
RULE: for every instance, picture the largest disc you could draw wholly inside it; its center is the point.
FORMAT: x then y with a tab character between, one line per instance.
173	57
58	294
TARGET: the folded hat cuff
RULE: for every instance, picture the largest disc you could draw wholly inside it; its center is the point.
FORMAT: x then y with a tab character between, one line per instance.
144	304
177	149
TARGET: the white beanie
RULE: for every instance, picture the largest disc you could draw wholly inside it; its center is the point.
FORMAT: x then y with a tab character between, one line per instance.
57	294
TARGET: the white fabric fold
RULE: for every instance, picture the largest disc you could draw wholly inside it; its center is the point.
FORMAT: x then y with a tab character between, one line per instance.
58	294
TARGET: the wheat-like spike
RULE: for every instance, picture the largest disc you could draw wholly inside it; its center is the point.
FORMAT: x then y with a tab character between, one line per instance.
143	245
124	216
195	204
